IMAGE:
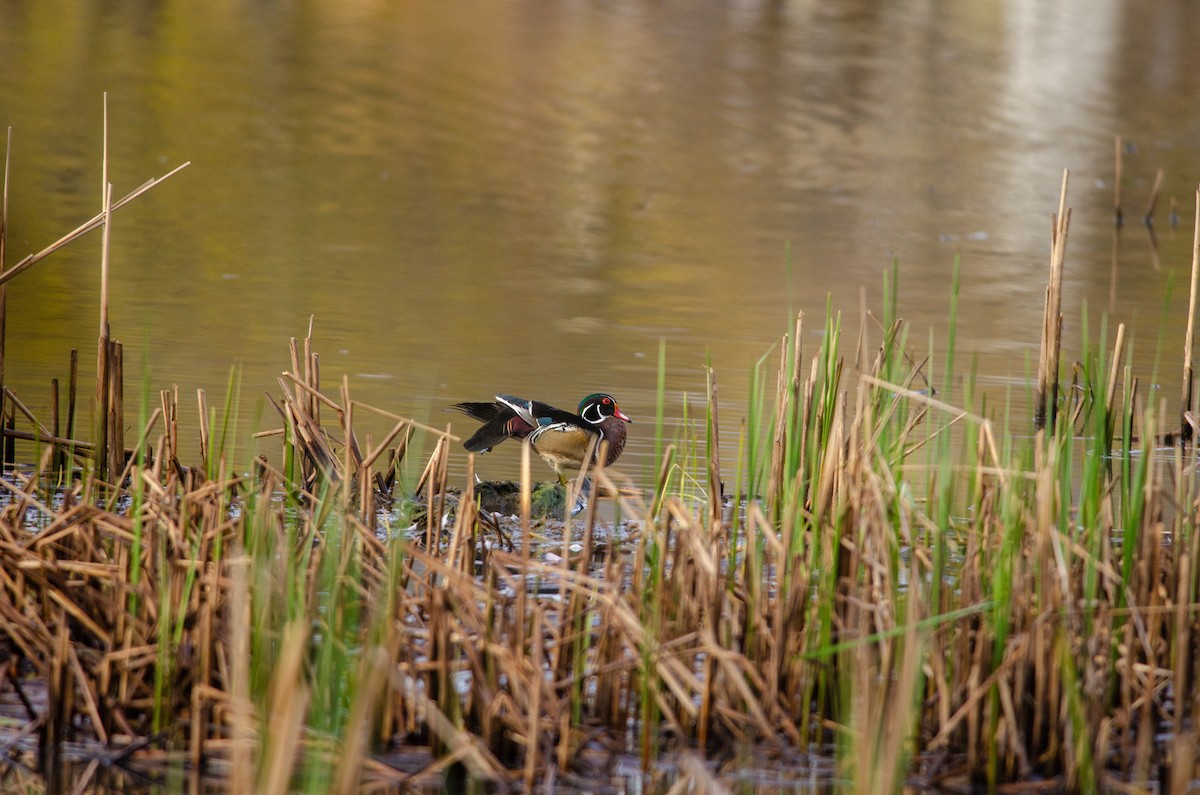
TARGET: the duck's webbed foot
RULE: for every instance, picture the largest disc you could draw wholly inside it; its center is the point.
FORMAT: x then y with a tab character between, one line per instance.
581	499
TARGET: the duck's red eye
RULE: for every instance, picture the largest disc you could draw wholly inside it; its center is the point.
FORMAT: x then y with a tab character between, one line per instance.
606	401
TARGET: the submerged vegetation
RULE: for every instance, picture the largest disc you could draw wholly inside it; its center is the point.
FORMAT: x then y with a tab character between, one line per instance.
880	578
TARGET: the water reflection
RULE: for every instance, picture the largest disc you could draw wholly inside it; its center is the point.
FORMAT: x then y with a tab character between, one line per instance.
528	197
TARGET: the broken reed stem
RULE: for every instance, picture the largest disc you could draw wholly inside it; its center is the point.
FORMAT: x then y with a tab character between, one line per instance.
526	544
102	395
116	408
17	405
55	426
104	349
715	487
1047	391
73	380
1115	368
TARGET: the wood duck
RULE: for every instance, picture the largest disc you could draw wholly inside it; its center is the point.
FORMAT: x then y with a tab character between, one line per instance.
561	438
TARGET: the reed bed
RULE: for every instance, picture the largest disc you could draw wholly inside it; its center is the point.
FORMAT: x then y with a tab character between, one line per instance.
883	579
1027	613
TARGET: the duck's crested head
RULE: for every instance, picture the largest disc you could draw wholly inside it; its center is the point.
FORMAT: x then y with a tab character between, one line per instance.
598	406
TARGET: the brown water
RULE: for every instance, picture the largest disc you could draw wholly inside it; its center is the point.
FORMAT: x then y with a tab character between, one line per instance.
527	197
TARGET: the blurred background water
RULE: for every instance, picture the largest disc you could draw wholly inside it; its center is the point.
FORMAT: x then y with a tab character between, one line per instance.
530	197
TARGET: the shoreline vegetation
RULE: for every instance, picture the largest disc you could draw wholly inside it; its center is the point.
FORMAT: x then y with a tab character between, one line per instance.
910	594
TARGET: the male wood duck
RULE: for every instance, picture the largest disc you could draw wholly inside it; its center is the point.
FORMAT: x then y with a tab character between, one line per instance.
561	438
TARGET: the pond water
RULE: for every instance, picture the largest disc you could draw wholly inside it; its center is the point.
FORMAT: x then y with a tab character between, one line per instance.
529	197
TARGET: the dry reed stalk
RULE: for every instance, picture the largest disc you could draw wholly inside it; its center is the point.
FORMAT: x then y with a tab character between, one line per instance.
169	406
59	456
893	714
1185	431
106	229
129	465
205	432
239	709
375	452
775	484
459	554
1182	642
1114	368
462	746
534	712
680	681
105	366
92	224
288	703
1183	763
570	629
715	484
309	373
350	761
436	493
697	777
300	414
351	456
662	482
103	349
1047	385
3	249
526	546
41	432
79	448
607	654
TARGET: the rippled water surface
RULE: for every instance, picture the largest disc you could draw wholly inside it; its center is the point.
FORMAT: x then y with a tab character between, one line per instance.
528	197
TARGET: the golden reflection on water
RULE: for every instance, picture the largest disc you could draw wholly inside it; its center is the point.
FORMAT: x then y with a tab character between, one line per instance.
527	197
